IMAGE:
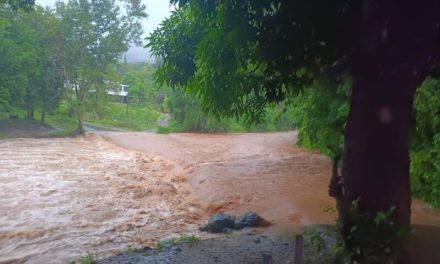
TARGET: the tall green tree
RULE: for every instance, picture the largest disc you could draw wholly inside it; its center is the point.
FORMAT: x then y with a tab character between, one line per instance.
9	50
241	55
26	5
8	64
97	33
50	78
28	41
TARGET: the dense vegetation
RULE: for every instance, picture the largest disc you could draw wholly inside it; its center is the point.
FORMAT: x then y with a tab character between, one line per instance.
32	84
30	76
425	148
188	114
319	111
66	54
57	68
239	57
249	66
183	112
321	114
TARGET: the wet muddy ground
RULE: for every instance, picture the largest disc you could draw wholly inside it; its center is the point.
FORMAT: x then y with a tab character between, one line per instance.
226	249
21	128
62	198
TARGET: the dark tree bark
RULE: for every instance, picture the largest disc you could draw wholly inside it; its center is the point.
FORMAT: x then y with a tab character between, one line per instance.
399	47
43	114
30	112
376	163
80	127
79	108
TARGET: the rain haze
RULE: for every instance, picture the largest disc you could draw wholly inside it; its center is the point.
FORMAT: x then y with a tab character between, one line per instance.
157	11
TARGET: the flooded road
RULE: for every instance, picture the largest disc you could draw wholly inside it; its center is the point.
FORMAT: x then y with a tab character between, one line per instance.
264	172
62	198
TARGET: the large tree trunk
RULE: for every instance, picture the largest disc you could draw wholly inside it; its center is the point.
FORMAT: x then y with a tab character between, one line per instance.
43	114
79	108
399	45
79	118
80	127
31	112
376	162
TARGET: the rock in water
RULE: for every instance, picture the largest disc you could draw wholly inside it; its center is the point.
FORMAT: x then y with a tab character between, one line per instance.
250	219
218	222
223	223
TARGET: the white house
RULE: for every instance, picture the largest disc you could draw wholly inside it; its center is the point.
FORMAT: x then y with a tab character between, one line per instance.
123	91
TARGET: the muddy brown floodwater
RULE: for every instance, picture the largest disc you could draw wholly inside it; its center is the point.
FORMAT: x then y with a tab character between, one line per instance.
62	198
262	172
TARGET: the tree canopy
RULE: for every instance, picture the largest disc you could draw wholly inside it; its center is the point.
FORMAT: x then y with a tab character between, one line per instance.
26	5
239	56
254	51
96	34
257	52
75	45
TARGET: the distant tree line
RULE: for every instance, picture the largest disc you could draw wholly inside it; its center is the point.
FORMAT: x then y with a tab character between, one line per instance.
72	47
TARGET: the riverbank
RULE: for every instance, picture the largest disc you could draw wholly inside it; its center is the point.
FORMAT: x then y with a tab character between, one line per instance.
243	247
65	197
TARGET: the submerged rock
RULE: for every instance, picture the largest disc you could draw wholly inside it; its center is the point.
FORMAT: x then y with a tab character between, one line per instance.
218	222
227	230
250	219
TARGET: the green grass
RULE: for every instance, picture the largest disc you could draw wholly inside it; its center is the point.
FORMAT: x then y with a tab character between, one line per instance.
132	249
164	130
159	245
64	125
90	258
190	239
116	115
228	125
144	118
59	120
183	238
13	111
171	128
64	122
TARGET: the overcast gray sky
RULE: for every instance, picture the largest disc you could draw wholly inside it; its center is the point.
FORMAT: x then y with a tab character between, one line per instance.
157	11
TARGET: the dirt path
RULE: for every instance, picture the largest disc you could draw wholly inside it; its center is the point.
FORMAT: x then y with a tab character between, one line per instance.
62	198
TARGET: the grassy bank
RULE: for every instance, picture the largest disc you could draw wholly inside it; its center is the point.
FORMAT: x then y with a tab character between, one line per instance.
56	124
63	120
131	117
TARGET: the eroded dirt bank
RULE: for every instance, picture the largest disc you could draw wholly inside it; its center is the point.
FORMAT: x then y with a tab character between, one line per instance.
62	198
